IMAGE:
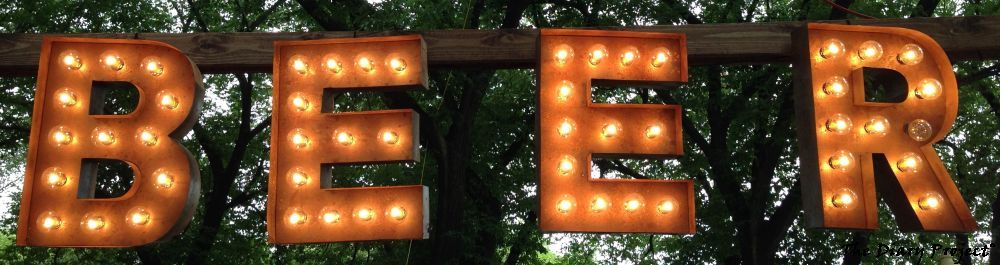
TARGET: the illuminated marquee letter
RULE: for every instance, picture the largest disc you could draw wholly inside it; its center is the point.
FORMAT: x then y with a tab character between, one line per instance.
305	140
67	131
849	146
572	129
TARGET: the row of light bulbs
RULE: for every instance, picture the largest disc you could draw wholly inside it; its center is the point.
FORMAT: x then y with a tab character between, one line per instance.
609	130
62	136
845	198
335	66
113	62
299	217
598	54
600	204
843	160
67	98
300	140
919	129
910	54
56	178
566	164
94	222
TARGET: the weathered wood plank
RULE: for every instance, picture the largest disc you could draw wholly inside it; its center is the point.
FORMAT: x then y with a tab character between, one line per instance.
963	38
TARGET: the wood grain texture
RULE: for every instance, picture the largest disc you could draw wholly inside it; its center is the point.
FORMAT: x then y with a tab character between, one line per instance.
963	38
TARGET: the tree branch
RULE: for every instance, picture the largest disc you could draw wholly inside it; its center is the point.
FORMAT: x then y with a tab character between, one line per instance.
263	17
196	13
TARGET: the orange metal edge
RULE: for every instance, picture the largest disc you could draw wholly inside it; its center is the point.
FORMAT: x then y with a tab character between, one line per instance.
21	238
272	178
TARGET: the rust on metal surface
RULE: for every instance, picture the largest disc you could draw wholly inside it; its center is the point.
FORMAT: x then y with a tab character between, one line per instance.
306	139
57	207
572	130
849	146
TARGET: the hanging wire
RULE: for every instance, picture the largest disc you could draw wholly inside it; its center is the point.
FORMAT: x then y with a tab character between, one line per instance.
847	10
423	165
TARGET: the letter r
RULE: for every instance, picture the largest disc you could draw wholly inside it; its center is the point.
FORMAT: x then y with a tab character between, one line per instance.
849	146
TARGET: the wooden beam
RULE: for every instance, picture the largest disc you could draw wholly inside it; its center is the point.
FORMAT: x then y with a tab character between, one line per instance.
963	38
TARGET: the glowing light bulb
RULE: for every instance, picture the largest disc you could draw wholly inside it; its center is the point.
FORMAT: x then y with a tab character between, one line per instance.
114	62
919	130
345	138
565	128
168	101
910	54
366	64
72	61
334	66
610	130
397	213
566	165
299	139
910	162
50	221
94	223
397	64
55	178
597	55
163	179
563	54
870	50
300	66
629	56
154	68
632	205
653	131
843	198
148	137
660	59
139	217
61	136
929	202
564	205
831	48
877	126
390	137
665	207
928	89
300	103
297	217
66	98
599	204
298	177
838	124
836	86
331	217
565	89
841	160
365	214
105	137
